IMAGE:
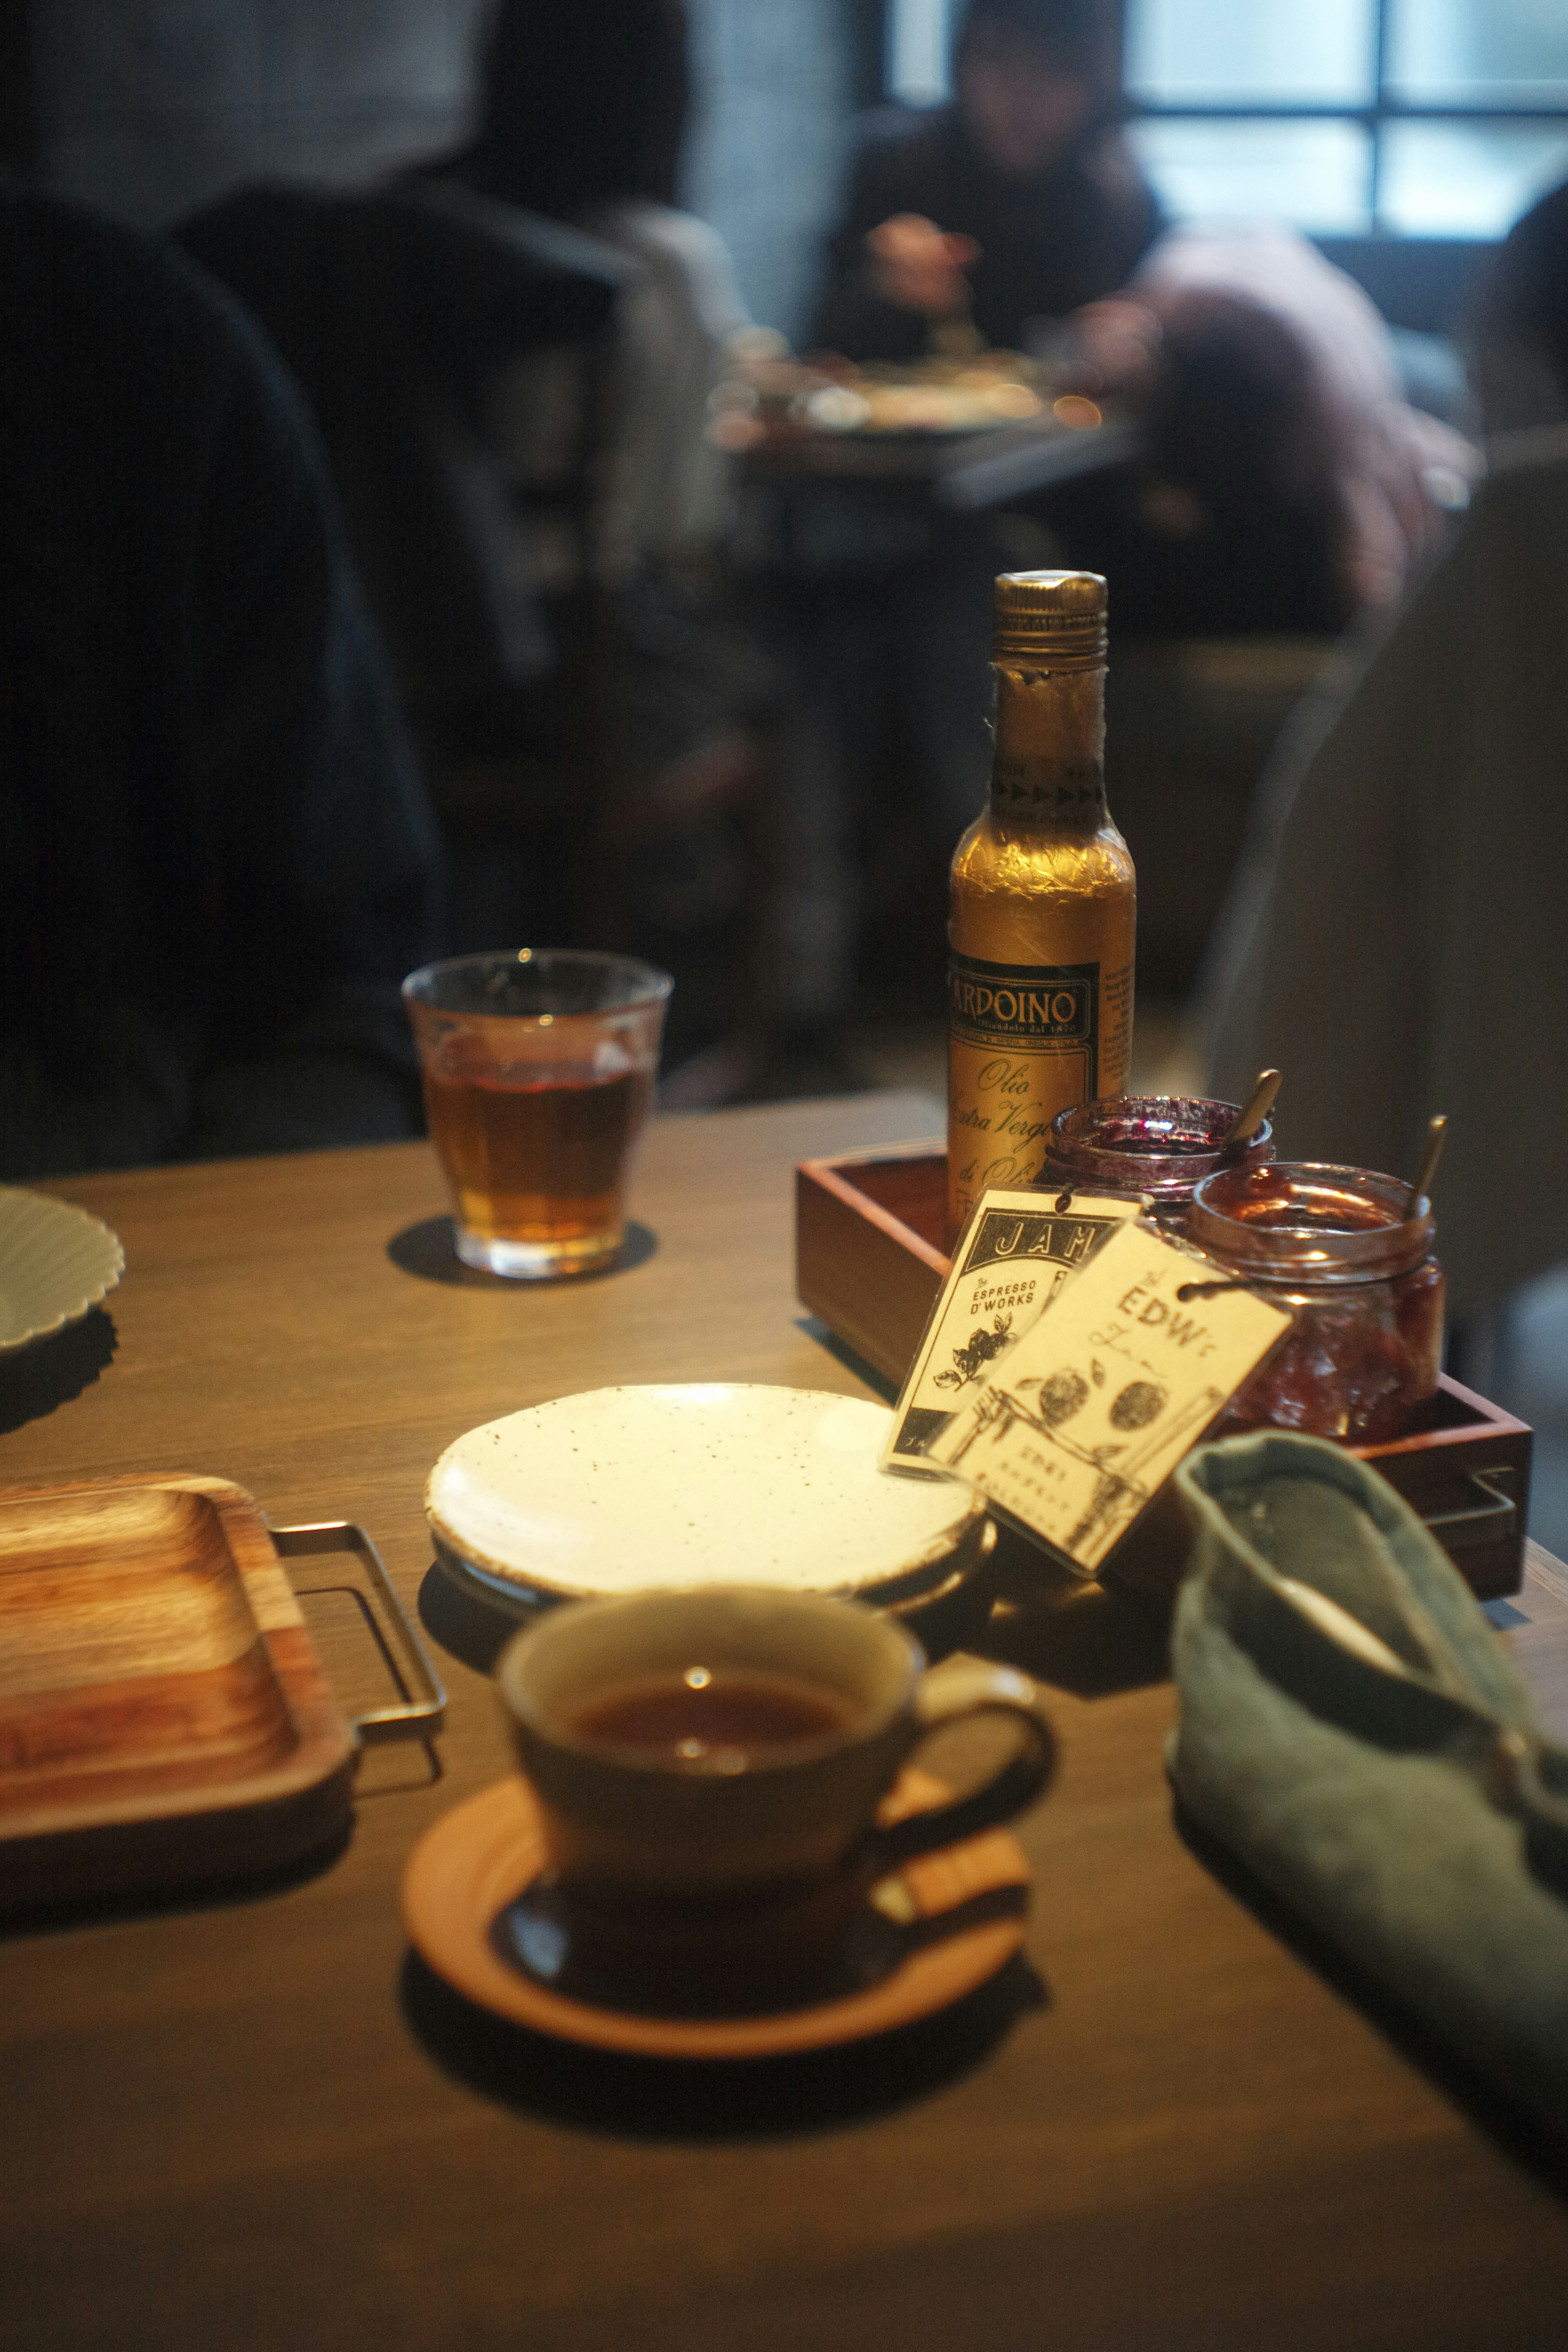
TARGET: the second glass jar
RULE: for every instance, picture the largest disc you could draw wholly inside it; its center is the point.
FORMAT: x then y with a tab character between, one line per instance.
1347	1251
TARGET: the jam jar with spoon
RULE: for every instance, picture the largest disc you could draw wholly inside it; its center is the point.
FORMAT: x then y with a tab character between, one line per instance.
1162	1145
1350	1252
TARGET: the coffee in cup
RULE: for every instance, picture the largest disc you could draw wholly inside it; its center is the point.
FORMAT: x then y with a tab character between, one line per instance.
709	1767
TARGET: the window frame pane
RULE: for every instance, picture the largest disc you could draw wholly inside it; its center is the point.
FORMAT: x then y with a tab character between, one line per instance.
1351	216
1543	104
912	39
1407	88
1149	29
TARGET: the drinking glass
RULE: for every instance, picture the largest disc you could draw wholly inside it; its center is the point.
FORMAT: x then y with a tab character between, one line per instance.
539	1065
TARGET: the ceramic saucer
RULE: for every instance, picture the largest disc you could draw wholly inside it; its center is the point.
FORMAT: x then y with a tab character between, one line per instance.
472	1866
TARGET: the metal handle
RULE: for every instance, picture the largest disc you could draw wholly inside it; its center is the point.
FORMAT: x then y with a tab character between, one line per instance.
425	1710
1482	1523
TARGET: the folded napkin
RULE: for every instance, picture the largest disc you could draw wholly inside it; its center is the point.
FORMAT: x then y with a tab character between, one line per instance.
1353	1728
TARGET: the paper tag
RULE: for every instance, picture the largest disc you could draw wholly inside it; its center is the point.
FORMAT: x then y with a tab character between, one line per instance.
1012	1258
1098	1403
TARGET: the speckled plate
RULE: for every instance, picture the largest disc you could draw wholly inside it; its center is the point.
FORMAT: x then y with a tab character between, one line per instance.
624	1489
55	1262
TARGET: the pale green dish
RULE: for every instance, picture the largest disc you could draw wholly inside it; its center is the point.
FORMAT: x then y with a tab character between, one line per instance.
56	1262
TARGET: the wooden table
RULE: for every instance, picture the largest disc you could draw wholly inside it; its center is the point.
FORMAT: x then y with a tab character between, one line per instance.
254	2125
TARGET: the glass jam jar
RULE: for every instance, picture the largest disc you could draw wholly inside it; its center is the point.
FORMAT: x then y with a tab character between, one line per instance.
1159	1144
1342	1247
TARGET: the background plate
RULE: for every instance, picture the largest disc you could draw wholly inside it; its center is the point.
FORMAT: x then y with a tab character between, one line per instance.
55	1262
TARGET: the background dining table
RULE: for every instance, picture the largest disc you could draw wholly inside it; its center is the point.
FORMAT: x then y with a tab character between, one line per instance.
257	2121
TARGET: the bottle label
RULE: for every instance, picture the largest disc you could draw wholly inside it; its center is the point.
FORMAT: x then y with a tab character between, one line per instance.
1024	1042
1013	1258
1051	1008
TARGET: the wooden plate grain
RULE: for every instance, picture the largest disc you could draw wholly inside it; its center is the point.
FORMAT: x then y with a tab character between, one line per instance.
164	1719
477	1860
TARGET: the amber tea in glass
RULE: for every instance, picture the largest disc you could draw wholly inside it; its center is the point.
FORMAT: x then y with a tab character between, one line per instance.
539	1065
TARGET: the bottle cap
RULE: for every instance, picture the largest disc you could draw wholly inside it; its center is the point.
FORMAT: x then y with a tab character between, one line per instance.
1054	618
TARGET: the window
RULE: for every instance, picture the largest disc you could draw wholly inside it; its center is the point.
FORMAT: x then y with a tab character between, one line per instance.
1349	118
1417	118
918	39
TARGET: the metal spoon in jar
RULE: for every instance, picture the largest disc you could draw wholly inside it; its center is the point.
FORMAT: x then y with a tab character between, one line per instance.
1253	1111
1421	1184
1242	1129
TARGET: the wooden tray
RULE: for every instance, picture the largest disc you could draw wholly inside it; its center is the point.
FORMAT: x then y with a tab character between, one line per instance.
870	1258
164	1720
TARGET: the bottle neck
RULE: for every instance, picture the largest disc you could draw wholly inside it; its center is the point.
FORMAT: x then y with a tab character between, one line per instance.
1048	769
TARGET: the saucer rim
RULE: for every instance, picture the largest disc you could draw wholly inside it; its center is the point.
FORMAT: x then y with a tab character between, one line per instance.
452	1894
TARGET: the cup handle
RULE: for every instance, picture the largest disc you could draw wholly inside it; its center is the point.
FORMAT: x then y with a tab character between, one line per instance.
962	1687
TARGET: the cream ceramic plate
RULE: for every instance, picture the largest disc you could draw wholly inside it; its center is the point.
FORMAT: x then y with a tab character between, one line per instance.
55	1262
621	1489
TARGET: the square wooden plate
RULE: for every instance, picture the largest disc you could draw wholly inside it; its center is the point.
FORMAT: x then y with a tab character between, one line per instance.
164	1719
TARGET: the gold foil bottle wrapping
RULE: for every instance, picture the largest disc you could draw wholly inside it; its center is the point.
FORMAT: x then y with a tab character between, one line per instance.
1044	899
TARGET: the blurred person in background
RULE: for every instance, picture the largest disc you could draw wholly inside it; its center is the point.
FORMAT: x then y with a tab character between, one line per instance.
985	221
1010	208
218	859
583	114
1285	484
1388	940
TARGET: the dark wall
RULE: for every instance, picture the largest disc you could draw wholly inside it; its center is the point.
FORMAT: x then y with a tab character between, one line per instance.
154	107
151	108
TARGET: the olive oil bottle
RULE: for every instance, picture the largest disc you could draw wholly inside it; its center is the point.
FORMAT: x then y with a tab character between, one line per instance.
1044	899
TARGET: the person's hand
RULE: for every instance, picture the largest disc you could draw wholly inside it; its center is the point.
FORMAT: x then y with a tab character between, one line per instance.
920	266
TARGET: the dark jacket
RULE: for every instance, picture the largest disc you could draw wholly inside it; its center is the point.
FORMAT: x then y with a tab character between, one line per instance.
216	857
1047	244
396	308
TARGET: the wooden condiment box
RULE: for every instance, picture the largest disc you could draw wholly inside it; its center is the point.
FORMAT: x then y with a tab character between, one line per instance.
869	1260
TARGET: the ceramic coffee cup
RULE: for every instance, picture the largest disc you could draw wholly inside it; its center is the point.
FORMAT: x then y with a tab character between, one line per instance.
709	1765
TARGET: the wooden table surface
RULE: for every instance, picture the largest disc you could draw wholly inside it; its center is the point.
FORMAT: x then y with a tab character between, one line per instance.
257	2123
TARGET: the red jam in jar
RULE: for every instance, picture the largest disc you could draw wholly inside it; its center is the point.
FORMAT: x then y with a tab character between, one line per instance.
1342	1248
1159	1144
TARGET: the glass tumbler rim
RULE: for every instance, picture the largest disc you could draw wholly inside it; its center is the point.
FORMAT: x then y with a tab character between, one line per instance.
641	985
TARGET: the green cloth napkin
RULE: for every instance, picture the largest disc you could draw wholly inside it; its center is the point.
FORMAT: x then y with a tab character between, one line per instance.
1353	1728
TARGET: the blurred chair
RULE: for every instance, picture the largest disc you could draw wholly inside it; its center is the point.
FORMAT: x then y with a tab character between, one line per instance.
436	332
1390	938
